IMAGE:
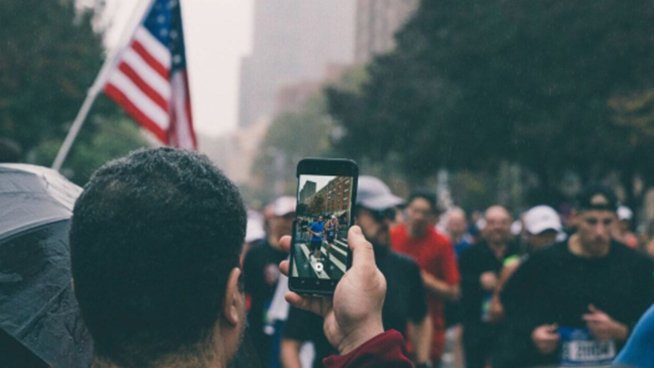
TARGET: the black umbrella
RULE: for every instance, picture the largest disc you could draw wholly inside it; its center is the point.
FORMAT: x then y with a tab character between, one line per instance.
37	303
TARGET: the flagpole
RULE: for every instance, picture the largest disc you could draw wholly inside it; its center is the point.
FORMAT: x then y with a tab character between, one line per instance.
97	85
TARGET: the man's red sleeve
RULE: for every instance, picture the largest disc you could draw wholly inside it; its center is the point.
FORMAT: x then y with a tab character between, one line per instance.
383	350
450	266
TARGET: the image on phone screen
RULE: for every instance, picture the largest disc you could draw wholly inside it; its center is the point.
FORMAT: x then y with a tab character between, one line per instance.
323	216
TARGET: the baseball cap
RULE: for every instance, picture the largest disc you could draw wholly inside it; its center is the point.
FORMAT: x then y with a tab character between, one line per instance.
541	218
283	206
624	213
373	194
254	227
597	197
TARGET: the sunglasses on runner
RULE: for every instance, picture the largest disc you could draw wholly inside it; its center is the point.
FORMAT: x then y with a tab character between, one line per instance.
381	215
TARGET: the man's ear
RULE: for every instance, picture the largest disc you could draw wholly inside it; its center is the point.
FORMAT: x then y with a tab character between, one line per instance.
232	301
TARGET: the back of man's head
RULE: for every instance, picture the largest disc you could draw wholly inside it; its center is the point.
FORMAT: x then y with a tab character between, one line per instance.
153	239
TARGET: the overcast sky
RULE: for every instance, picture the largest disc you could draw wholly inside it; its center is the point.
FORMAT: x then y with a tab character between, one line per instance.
320	180
217	33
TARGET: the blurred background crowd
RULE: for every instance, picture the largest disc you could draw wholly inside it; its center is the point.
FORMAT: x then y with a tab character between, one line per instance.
465	261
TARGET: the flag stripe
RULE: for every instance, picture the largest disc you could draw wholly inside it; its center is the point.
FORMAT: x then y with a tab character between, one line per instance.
144	87
182	122
155	48
118	96
140	99
146	72
161	69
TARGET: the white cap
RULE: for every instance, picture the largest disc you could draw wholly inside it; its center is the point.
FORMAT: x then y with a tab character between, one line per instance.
624	213
373	194
283	206
516	227
254	228
541	218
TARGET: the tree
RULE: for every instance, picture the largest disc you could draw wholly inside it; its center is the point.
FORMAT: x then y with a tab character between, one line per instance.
50	57
317	206
475	83
100	140
306	131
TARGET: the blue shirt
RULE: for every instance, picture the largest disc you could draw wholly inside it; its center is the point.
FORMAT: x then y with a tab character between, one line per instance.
317	228
639	349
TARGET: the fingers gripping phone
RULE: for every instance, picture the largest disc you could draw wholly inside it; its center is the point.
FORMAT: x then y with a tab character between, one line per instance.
326	194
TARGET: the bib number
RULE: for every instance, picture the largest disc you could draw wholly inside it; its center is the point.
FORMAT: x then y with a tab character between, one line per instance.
579	349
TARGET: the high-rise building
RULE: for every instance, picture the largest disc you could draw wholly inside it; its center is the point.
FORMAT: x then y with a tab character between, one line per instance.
294	40
307	191
376	24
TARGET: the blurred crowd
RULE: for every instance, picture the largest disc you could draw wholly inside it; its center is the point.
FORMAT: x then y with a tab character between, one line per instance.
492	288
171	270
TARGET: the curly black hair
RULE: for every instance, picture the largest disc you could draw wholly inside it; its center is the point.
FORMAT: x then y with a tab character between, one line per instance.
153	239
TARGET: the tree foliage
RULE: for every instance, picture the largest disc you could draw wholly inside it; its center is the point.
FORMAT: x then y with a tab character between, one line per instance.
292	135
101	139
551	85
317	205
50	57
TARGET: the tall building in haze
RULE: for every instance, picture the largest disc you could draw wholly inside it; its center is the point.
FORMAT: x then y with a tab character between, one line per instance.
294	41
376	24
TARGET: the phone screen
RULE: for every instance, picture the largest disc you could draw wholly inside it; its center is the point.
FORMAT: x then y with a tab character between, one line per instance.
323	216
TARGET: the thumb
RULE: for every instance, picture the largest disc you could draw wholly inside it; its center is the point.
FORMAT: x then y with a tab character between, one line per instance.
593	309
362	251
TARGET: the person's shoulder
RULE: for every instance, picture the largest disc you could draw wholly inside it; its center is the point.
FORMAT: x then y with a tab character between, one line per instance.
440	239
475	249
255	248
623	250
556	250
402	260
398	230
262	251
552	256
468	253
624	253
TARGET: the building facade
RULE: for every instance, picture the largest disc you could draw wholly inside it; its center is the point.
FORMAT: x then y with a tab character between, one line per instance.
294	40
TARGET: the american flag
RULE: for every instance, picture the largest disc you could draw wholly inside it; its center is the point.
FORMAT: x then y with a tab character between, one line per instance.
150	80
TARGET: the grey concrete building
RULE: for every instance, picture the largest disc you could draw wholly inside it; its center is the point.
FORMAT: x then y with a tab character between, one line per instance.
294	40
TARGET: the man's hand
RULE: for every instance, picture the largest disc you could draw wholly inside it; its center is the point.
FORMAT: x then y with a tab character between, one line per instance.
603	327
546	338
440	288
496	309
353	314
488	280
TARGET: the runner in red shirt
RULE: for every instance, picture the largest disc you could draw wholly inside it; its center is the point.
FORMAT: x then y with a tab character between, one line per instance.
433	252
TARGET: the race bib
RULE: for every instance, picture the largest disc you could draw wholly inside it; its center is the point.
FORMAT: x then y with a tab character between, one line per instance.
579	349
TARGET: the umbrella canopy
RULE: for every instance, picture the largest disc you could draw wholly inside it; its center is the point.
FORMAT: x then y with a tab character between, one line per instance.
32	195
37	303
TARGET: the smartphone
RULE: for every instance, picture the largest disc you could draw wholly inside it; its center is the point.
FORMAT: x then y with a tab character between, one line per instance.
326	194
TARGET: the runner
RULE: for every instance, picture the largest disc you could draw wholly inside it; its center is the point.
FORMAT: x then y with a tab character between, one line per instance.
418	238
577	301
331	229
317	231
480	265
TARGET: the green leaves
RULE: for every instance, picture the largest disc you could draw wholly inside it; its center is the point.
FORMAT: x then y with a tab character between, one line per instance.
474	83
50	57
